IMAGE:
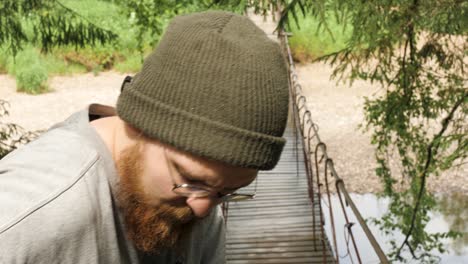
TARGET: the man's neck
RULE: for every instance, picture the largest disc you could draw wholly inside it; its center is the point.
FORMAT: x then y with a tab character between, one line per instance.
114	132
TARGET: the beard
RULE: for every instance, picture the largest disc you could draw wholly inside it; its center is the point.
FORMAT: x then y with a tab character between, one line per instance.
150	227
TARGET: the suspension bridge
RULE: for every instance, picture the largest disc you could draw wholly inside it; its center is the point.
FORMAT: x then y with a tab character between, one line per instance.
285	223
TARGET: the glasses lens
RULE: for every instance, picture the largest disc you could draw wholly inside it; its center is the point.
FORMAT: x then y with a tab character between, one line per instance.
236	197
191	191
188	190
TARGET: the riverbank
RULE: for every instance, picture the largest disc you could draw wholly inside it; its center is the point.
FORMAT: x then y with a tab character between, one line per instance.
338	111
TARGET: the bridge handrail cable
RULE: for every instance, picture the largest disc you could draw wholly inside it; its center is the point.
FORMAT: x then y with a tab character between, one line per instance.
303	122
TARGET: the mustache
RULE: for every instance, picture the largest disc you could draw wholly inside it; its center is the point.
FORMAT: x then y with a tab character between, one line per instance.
178	213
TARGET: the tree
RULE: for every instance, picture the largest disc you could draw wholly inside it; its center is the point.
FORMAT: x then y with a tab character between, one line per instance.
151	16
48	23
416	52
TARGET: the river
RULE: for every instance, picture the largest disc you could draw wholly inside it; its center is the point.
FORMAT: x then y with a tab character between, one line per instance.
453	214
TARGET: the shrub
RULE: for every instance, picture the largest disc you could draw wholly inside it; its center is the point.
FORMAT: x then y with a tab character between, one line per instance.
31	74
92	58
32	79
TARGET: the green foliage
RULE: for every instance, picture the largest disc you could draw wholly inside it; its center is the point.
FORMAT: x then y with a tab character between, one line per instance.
133	29
414	51
129	64
56	64
110	15
104	56
67	59
32	79
4	57
310	41
11	135
150	17
53	24
44	25
31	75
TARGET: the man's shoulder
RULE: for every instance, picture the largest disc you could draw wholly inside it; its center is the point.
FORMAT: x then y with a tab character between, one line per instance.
39	173
53	197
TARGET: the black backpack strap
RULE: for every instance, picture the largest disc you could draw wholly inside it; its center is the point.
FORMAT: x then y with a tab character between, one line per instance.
126	81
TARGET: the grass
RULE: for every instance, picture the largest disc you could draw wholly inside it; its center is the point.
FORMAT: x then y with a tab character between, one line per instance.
309	41
129	64
59	66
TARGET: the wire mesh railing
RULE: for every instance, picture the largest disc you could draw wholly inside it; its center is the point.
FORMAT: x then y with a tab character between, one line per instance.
317	161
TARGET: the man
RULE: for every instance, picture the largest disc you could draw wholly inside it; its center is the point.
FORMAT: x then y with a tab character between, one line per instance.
141	184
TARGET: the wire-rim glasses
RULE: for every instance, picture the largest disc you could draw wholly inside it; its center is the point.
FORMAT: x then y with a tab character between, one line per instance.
190	190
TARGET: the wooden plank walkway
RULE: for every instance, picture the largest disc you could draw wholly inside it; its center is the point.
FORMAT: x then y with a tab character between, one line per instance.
277	226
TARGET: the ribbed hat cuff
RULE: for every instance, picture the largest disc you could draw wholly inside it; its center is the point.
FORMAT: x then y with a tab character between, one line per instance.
198	135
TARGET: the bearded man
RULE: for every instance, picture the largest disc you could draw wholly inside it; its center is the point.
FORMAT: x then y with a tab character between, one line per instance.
141	183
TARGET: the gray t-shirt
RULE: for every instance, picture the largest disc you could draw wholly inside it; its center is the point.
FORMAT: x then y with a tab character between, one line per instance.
57	205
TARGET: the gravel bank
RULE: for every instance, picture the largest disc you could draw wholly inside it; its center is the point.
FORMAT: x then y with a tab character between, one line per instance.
337	109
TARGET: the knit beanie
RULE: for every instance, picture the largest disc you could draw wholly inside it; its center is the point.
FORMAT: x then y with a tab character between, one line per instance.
217	87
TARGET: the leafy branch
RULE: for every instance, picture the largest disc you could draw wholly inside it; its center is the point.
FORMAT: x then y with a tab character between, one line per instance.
432	150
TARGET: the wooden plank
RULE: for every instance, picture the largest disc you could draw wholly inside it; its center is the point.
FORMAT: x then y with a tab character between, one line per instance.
278	225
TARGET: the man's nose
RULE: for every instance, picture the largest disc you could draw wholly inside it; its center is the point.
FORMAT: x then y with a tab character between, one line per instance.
201	206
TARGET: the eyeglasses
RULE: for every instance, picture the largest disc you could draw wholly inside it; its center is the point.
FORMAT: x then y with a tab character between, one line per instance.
189	190
196	191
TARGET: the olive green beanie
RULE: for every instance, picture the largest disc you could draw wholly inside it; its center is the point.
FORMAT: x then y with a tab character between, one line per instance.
217	87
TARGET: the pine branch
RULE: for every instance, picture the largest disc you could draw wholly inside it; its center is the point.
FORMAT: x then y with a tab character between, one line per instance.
76	14
54	24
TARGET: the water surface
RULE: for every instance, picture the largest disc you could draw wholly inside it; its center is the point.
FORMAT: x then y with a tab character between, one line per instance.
453	215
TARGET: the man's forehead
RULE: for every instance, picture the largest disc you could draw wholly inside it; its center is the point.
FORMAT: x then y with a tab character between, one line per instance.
227	171
199	169
200	163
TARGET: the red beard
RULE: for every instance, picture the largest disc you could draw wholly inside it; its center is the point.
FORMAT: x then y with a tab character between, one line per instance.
151	228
